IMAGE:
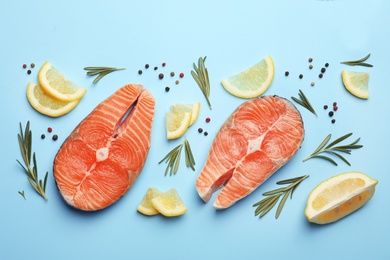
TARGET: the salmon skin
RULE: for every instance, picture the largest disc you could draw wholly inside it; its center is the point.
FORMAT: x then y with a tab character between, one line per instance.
258	138
105	153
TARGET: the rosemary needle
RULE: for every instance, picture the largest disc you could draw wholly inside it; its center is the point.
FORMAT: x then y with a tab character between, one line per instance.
304	101
359	62
201	76
266	204
100	71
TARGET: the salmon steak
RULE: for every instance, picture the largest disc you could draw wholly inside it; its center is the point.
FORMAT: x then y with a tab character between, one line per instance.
103	156
258	138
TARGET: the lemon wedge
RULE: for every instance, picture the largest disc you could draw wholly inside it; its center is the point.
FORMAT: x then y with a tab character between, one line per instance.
188	108
169	204
145	206
356	83
252	82
57	86
47	105
177	123
339	196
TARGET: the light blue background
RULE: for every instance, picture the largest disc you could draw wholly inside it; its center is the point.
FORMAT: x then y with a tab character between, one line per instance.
233	35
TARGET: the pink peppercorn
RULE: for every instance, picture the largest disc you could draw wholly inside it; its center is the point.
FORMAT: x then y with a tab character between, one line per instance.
181	75
335	108
208	119
49	129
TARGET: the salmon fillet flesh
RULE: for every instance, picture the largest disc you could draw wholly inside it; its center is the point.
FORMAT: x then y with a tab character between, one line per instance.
105	153
258	138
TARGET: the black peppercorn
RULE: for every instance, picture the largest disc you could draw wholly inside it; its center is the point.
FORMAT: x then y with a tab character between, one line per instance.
167	89
286	73
326	64
331	113
146	66
55	137
200	130
323	70
140	72
321	75
300	76
160	76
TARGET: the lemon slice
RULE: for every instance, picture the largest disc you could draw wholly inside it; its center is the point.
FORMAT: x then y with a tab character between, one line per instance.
356	83
47	105
188	108
169	204
252	82
339	196
146	207
55	85
177	123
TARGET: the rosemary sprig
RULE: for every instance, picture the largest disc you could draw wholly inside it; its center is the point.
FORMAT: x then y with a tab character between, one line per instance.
25	144
173	158
100	71
334	150
265	205
22	193
359	62
201	76
303	101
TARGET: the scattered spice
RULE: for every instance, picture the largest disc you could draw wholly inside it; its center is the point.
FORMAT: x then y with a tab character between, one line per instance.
208	119
326	65
312	83
172	74
29	72
310	66
323	70
167	89
310	59
163	64
160	76
156	68
321	75
325	107
335	103
146	66
331	113
177	82
206	134
140	72
32	65
287	73
333	121
24	66
43	136
181	75
200	130
55	137
49	129
335	108
300	76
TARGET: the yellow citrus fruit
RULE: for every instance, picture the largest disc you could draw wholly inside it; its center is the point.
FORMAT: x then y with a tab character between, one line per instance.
146	207
169	204
339	196
252	82
177	123
188	108
57	86
356	83
47	105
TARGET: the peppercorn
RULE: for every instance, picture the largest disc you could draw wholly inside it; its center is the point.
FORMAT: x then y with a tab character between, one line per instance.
310	66
172	74
49	129
331	113
310	59
55	137
335	108
300	76
326	64
177	82
208	119
160	76
140	72
163	64
286	73
205	133
32	65
333	121
29	72
321	75
43	136
146	66
335	103
167	89
312	83
325	107
24	66
200	130
323	70
155	68
181	75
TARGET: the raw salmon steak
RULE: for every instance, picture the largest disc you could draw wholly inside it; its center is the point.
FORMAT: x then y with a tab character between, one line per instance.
258	138
105	153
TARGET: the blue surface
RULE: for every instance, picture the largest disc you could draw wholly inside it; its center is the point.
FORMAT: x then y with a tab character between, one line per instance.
234	36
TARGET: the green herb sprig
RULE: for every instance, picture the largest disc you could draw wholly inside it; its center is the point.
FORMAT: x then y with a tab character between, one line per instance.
334	150
359	62
201	76
22	193
100	71
173	158
304	101
25	144
265	205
